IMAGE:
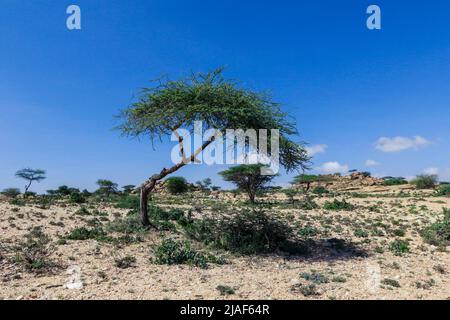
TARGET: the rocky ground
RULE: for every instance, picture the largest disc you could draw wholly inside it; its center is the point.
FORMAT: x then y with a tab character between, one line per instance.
371	250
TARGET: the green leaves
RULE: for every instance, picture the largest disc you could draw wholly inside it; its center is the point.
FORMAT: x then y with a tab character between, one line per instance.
219	103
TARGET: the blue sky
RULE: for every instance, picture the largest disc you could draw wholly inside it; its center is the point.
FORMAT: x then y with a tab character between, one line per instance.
346	86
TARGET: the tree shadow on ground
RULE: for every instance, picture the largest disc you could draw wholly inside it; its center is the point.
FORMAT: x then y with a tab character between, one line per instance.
330	249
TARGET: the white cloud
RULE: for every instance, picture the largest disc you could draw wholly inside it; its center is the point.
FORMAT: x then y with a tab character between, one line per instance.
372	163
397	144
316	149
431	171
333	167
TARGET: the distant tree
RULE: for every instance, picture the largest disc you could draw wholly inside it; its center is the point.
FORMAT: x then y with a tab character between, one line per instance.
11	192
248	178
176	185
366	174
106	187
221	104
425	181
308	179
128	188
31	175
205	183
352	171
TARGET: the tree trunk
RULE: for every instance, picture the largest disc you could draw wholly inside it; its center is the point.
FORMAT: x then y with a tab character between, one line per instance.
148	186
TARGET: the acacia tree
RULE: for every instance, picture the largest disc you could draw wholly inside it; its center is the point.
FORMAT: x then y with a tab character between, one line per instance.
31	175
106	187
247	178
220	104
307	179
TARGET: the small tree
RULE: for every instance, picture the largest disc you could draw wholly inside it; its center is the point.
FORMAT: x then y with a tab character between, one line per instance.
106	187
176	185
128	188
221	104
204	184
247	178
31	175
307	179
425	181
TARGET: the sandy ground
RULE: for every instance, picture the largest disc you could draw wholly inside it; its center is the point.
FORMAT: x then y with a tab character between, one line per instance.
351	276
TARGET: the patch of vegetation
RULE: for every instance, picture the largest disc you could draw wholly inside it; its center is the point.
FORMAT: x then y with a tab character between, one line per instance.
399	247
308	231
391	282
77	198
319	190
438	233
425	181
443	191
128	201
125	262
34	252
172	252
247	232
176	185
391	181
315	277
337	205
225	290
11	192
306	290
83	233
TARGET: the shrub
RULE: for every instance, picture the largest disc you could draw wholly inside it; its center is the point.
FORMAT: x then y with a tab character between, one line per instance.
390	181
315	277
391	283
176	185
83	233
247	232
11	192
444	190
306	204
320	190
425	181
308	231
125	262
128	201
34	252
180	252
438	233
225	290
337	205
77	198
175	214
399	247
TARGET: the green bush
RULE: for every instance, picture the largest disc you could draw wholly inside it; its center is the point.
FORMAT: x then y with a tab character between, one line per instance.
247	232
399	247
390	181
438	233
34	252
77	198
180	252
176	185
83	233
128	201
337	205
320	190
444	190
425	181
11	192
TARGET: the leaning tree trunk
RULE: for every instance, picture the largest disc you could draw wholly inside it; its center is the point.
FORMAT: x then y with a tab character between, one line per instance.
148	186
